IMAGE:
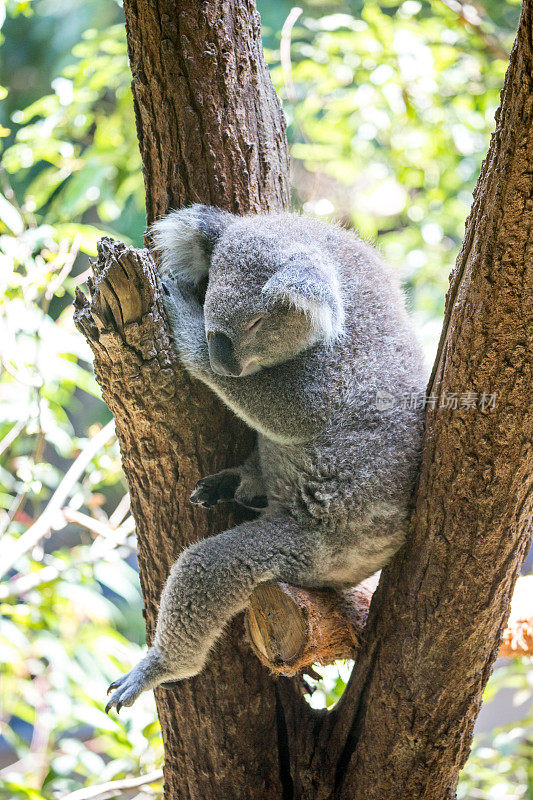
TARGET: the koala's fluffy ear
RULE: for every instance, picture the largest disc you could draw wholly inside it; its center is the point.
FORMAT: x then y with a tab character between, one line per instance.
310	285
185	239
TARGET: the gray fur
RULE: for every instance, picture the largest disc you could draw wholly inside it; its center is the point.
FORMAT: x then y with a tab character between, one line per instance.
336	471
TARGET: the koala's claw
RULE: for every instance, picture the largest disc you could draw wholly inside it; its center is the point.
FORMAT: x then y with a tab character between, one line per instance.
128	688
204	497
117	683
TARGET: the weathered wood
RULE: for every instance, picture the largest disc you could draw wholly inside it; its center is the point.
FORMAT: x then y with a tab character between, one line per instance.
291	629
139	374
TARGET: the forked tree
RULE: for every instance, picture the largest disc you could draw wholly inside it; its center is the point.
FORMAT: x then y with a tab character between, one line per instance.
211	130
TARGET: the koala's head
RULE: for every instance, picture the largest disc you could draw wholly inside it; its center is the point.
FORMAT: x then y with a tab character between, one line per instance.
270	295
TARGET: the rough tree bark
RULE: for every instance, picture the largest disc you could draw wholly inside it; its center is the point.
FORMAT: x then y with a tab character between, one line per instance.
211	130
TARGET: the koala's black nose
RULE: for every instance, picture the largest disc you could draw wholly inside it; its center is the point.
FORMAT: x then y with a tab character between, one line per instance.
221	354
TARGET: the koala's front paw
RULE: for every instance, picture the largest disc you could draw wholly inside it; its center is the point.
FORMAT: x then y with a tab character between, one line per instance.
128	688
215	489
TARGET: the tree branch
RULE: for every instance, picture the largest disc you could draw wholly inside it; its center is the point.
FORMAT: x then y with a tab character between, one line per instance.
12	549
156	405
290	629
518	635
104	791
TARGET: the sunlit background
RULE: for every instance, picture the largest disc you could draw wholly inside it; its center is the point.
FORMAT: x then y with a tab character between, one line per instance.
390	108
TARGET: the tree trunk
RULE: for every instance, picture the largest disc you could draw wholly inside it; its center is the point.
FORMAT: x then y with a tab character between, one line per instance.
210	130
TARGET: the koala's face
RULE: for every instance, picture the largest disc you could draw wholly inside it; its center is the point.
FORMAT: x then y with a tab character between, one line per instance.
271	294
245	332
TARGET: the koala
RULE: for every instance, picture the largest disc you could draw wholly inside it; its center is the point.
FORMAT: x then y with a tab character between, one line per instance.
304	334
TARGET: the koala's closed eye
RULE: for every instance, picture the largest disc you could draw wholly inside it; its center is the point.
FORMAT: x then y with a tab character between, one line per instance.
255	323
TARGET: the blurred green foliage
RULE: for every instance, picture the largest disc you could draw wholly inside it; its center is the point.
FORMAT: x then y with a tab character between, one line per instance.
390	107
501	764
71	605
390	112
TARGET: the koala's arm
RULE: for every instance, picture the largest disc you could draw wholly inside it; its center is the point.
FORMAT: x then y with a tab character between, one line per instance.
279	410
186	318
211	582
244	484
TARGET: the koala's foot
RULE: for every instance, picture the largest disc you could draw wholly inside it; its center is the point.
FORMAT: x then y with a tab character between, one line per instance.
218	488
128	688
148	673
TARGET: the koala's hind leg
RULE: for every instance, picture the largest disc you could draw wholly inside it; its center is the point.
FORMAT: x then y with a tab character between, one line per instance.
243	484
211	582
